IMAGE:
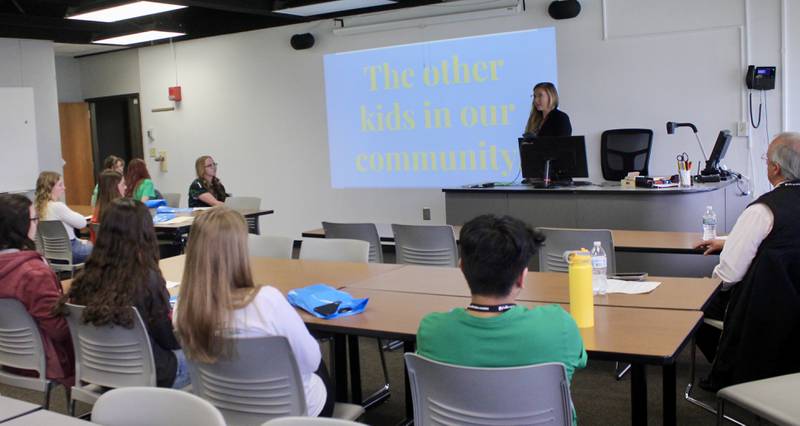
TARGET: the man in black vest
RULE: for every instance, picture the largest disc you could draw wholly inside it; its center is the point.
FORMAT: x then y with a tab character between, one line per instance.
760	273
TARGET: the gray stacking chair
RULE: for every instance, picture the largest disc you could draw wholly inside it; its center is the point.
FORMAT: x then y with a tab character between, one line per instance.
774	399
430	245
559	240
310	421
145	406
56	247
357	231
246	203
332	249
21	347
173	199
270	246
108	356
248	390
446	394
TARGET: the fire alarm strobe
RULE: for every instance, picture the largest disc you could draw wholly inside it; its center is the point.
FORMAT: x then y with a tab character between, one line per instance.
175	93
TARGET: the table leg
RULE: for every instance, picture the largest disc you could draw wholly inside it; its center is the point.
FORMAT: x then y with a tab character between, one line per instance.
339	343
638	394
355	369
668	380
408	347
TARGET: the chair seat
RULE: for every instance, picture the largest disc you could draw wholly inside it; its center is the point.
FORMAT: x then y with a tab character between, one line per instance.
88	393
347	411
775	399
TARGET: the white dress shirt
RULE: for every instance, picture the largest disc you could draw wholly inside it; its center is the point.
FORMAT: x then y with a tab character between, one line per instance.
56	210
742	243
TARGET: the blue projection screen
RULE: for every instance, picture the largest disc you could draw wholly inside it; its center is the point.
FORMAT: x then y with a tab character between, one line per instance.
434	114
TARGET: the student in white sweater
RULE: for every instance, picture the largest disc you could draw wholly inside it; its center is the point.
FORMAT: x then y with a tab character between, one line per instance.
218	298
49	190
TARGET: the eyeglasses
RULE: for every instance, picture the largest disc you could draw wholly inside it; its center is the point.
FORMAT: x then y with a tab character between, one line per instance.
765	157
35	219
212	165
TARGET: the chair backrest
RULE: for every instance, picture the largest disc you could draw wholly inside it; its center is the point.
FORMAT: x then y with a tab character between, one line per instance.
625	150
559	240
357	231
173	199
310	421
145	406
111	355
451	394
333	249
20	345
270	246
431	245
243	202
55	241
259	382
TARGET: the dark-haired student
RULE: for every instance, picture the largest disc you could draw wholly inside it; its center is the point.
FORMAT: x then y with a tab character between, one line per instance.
113	163
112	186
25	276
492	331
206	190
123	272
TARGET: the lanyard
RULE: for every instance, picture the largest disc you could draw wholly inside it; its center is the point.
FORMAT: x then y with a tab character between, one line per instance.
490	308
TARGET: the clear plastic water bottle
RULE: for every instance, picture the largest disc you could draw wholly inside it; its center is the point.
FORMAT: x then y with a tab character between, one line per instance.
599	269
709	224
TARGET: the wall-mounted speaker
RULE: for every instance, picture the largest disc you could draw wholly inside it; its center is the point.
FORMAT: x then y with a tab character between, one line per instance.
564	9
302	41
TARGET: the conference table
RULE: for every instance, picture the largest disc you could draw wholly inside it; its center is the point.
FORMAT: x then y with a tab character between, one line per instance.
11	408
47	418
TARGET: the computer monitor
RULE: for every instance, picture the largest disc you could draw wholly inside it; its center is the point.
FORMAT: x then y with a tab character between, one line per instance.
718	153
553	160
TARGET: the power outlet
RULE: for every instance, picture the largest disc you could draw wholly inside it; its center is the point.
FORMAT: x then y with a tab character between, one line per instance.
426	213
152	153
742	128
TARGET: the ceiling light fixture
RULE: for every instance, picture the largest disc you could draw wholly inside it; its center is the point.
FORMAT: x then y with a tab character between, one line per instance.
125	11
332	6
137	38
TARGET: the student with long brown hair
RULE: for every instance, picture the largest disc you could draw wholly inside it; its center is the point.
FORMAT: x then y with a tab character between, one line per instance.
49	190
206	190
219	299
25	276
123	272
140	186
112	186
112	162
546	119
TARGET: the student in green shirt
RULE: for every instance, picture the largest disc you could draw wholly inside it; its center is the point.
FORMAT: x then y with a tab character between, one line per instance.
493	331
140	187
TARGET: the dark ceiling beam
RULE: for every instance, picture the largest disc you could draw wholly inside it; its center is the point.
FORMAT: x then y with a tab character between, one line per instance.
47	23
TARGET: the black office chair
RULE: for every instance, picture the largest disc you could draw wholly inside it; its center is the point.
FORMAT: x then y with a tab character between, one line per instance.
625	150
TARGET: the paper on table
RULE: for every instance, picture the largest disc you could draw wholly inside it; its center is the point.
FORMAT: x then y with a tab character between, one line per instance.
172	284
631	287
177	220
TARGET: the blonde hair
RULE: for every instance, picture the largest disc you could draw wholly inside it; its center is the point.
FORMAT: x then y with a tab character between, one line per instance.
44	192
200	167
536	118
216	280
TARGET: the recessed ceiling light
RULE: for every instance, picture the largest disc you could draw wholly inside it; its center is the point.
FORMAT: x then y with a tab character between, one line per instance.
332	6
125	11
138	37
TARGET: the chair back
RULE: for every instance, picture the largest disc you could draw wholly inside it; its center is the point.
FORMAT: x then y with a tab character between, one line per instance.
246	203
357	231
173	199
20	346
336	250
111	355
559	240
270	246
258	382
452	394
430	245
625	150
55	241
145	406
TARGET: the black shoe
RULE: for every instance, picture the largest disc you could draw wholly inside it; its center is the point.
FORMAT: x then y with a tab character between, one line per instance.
709	385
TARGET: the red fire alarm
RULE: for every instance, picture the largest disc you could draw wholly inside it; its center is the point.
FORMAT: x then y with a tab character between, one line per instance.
175	93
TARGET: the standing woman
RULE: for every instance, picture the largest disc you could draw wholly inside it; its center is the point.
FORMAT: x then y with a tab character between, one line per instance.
123	272
112	186
112	162
206	190
49	190
25	276
546	119
140	186
219	299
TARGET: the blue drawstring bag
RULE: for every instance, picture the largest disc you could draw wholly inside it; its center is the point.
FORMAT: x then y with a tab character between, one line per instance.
152	204
173	210
163	217
324	301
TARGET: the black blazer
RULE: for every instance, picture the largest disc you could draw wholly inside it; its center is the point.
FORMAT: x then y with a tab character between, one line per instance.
556	124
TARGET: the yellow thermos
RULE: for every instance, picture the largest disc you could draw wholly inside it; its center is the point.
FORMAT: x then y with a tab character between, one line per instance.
581	297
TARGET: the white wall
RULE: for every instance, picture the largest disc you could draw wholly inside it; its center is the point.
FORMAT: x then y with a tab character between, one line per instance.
258	106
30	63
68	79
110	74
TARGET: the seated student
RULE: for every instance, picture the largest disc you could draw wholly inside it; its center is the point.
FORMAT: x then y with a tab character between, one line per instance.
112	162
140	186
493	331
49	189
25	276
206	190
112	186
218	269
123	272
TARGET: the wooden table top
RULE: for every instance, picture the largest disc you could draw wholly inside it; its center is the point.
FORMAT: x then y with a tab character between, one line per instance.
551	287
624	240
87	210
652	336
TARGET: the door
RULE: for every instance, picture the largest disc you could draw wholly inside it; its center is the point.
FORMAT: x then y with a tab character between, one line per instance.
116	128
76	150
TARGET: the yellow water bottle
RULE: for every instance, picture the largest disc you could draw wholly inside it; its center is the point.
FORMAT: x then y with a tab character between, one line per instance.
581	297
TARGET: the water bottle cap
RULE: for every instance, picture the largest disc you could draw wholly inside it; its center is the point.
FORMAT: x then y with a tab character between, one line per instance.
597	243
708	207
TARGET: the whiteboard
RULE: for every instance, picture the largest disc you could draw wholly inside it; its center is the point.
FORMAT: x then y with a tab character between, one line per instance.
19	164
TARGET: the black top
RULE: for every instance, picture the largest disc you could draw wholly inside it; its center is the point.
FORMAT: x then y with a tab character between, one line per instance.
556	124
199	187
153	306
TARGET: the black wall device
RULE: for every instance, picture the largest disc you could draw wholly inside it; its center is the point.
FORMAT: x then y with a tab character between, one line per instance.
760	78
302	41
564	9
